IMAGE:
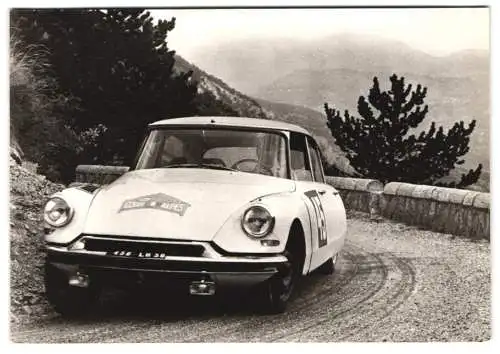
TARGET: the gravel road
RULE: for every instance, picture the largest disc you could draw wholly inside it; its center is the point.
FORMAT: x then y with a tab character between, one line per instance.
394	283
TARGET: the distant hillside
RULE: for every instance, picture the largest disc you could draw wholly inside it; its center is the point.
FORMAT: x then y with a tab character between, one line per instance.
337	69
314	121
450	99
243	105
248	65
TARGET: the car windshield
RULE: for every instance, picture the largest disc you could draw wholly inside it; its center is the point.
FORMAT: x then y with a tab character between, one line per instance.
222	149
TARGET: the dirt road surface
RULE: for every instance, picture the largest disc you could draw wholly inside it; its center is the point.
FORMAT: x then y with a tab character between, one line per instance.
393	283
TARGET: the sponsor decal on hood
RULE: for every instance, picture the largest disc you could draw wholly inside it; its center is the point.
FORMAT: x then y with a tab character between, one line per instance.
159	201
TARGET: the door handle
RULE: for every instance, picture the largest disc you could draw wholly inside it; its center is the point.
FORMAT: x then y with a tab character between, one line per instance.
322	192
335	193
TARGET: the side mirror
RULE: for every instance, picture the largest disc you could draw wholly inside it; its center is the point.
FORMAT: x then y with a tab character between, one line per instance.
99	174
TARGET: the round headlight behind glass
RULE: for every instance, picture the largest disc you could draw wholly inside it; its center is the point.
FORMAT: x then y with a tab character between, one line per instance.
57	212
257	221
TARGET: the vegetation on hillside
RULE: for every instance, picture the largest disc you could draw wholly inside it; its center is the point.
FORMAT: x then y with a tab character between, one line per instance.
38	109
104	76
117	63
379	144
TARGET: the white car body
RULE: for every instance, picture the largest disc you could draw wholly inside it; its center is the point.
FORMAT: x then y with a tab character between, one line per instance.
204	207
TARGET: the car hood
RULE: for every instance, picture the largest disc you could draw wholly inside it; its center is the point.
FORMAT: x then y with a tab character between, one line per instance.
182	204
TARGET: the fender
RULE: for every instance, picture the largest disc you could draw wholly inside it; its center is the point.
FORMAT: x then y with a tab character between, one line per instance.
80	199
285	208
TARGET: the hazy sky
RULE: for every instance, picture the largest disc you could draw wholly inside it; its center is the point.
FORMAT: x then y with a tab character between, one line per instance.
435	31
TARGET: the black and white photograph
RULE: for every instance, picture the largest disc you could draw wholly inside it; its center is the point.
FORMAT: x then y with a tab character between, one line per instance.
239	174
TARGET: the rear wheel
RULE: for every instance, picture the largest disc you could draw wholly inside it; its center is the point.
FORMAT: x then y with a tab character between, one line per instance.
68	300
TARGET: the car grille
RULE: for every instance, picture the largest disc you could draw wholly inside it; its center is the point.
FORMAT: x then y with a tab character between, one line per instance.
128	248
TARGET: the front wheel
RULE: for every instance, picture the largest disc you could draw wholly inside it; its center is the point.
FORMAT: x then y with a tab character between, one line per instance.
68	300
277	291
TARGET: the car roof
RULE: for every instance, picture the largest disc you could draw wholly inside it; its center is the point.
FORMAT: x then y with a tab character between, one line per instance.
237	122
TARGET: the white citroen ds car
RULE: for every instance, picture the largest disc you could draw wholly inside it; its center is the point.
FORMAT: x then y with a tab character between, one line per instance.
211	202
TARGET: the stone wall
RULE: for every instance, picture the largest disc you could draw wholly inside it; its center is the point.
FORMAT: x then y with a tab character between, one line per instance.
455	211
358	193
448	210
98	174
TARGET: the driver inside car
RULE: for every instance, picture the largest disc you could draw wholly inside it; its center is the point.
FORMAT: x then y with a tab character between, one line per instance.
268	160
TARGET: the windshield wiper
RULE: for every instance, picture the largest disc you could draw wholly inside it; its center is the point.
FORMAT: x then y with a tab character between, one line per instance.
200	165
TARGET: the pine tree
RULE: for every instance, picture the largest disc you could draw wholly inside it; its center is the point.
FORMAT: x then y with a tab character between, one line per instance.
383	143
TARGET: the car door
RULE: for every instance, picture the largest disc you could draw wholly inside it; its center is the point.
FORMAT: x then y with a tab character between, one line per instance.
302	174
329	208
307	187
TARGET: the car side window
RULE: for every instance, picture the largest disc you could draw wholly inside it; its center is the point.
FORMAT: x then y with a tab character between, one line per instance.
299	161
315	160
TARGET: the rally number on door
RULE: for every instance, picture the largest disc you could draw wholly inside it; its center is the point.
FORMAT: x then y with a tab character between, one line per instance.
320	216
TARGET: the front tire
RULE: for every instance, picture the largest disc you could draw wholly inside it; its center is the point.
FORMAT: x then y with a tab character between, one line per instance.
68	300
276	292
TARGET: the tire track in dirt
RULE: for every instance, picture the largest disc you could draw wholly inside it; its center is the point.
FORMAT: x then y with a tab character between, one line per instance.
371	279
403	293
345	323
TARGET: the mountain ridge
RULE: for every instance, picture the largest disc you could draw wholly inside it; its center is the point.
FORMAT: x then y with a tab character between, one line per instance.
244	105
250	64
461	92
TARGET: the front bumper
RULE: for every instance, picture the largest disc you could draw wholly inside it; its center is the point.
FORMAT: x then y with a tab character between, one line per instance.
122	266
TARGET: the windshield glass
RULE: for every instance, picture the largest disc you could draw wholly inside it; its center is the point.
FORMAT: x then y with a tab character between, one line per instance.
223	149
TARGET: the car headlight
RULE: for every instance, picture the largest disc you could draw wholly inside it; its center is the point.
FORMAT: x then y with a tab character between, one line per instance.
57	212
257	221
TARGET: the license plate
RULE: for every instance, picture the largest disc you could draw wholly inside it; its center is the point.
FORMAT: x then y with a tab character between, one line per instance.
138	254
